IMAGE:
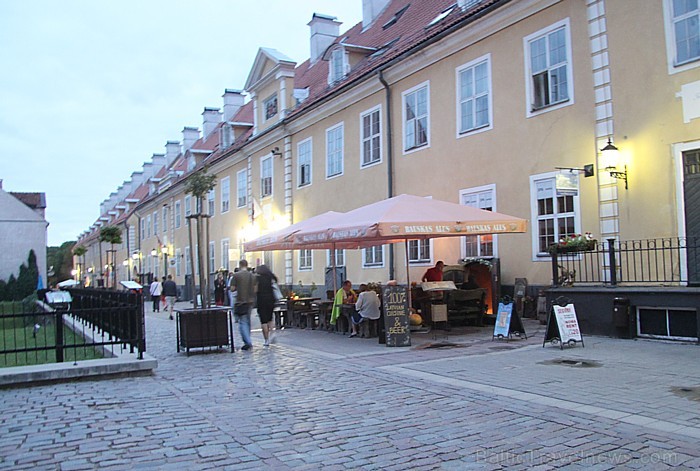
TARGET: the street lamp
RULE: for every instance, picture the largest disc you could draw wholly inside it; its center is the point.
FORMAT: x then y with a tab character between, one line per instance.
164	251
610	155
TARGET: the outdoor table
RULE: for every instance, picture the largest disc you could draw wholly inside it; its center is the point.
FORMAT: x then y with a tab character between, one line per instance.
299	308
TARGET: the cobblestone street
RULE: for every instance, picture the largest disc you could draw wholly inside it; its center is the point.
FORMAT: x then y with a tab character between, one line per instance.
320	400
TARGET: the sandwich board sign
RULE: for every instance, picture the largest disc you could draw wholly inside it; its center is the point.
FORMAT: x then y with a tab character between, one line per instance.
562	326
508	322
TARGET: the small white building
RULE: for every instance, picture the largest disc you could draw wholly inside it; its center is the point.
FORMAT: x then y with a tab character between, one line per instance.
23	227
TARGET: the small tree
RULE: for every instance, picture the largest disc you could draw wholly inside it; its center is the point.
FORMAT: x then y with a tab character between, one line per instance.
80	252
199	184
112	235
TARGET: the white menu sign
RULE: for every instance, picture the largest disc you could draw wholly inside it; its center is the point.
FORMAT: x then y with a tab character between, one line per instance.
567	323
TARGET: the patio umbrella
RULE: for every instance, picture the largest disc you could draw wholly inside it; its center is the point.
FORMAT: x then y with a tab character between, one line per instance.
282	238
408	217
67	283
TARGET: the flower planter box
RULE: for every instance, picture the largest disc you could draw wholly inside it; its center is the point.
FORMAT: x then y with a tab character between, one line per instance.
204	328
570	248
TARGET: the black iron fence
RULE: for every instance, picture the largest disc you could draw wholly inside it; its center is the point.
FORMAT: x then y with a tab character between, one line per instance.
95	323
664	261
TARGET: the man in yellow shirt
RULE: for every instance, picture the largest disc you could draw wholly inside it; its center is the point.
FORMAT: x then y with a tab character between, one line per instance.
345	295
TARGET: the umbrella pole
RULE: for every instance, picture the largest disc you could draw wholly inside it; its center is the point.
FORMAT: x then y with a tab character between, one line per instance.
335	283
408	281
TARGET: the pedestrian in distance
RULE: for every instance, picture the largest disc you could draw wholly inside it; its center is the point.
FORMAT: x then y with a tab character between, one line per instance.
156	289
266	300
219	289
170	293
243	284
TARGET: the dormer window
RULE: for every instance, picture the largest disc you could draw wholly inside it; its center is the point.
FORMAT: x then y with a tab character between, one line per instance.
270	106
337	65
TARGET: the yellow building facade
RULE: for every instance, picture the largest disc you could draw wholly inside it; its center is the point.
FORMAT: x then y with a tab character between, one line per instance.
482	103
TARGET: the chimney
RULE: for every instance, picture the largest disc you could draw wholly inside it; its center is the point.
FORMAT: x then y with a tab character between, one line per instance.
137	178
371	10
324	30
172	150
158	163
233	100
190	135
210	118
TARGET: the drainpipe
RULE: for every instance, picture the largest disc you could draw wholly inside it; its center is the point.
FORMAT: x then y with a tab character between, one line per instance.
389	159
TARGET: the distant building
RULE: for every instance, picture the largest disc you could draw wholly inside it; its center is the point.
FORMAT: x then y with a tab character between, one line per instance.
23	227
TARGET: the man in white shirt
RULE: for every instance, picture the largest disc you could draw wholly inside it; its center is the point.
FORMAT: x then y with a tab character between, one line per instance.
366	307
156	290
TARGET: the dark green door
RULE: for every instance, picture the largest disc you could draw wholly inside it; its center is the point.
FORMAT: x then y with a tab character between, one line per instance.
691	196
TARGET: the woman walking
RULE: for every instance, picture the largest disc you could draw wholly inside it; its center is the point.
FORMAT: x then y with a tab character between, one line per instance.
266	300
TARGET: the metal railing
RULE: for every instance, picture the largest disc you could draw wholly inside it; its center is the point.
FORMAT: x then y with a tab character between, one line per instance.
662	261
95	324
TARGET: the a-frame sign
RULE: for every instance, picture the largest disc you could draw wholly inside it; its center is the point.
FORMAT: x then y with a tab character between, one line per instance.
508	322
562	325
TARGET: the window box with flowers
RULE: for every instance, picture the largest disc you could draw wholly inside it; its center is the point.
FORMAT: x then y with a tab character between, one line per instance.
575	243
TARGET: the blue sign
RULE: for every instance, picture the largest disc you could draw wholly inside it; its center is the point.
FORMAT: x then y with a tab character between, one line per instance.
502	327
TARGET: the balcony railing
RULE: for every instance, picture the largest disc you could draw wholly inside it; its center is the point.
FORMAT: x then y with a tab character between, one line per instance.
663	261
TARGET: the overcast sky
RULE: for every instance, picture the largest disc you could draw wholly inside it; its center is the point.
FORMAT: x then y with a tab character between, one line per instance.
90	89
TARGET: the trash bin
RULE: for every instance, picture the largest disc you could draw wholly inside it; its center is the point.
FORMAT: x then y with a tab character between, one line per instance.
621	312
621	318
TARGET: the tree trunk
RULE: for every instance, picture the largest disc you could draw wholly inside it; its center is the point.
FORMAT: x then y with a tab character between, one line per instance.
192	255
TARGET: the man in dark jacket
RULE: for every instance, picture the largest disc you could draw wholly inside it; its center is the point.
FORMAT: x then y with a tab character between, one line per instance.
170	293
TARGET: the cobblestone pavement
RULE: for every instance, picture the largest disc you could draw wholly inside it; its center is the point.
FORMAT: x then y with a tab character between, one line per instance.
316	400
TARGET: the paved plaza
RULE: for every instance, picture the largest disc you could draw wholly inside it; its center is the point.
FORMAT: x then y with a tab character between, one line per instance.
318	400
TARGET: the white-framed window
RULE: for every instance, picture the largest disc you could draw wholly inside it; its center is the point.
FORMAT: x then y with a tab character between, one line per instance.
339	258
143	229
266	176
188	261
242	188
416	117
178	262
483	197
419	251
225	246
373	257
553	215
270	106
337	65
212	255
682	18
371	137
304	159
474	96
178	214
148	226
155	223
225	194
165	219
306	259
211	202
149	264
334	151
549	69
188	205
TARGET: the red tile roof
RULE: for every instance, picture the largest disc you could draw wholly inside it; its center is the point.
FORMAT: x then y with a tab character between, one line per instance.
33	200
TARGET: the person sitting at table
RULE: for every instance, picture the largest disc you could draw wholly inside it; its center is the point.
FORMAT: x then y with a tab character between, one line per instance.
435	273
366	307
345	295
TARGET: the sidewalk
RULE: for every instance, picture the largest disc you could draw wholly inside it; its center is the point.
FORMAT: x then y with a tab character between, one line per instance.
318	400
